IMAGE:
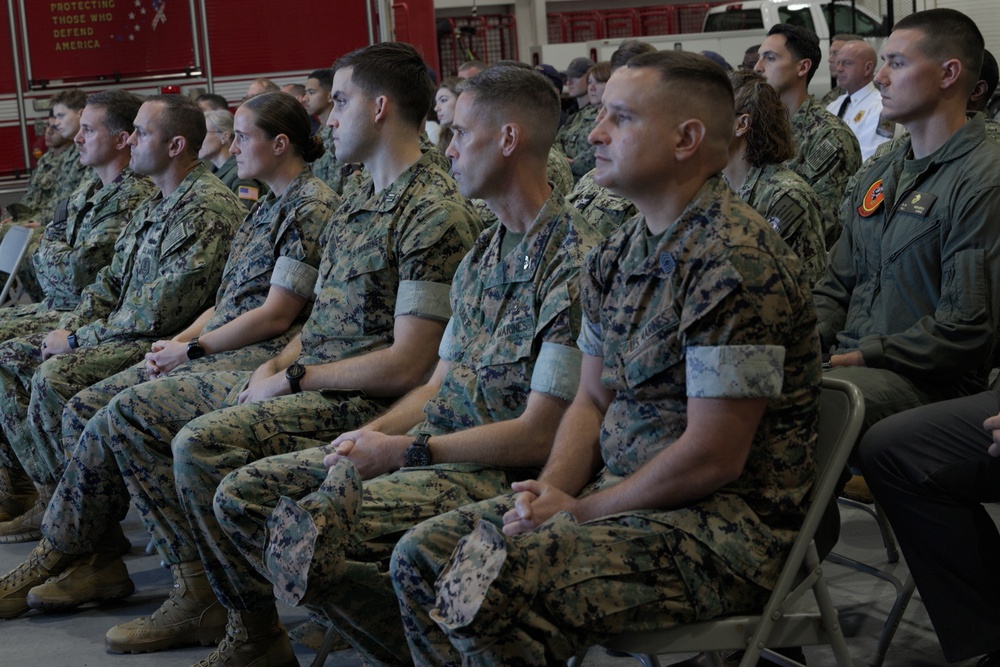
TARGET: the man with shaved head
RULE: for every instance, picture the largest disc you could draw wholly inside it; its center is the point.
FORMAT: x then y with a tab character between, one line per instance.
861	104
678	469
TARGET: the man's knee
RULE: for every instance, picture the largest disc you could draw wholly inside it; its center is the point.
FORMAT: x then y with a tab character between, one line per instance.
879	446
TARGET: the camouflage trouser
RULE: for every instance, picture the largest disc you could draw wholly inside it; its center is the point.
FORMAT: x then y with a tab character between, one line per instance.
26	319
348	569
91	492
36	392
175	440
87	402
466	591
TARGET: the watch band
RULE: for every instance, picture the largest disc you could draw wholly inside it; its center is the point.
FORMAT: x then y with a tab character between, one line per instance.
195	350
72	341
419	452
294	375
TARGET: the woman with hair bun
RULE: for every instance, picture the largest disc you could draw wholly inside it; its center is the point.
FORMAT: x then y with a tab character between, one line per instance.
215	152
761	142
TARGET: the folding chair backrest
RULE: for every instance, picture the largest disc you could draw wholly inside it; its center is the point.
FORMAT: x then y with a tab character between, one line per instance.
842	410
13	250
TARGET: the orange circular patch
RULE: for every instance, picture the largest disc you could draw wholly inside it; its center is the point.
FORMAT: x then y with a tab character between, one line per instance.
873	199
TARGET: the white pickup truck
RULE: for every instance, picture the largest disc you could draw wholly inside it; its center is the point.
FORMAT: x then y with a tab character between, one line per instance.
731	29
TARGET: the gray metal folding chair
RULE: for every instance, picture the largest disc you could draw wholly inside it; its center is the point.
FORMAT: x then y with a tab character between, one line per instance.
778	625
13	250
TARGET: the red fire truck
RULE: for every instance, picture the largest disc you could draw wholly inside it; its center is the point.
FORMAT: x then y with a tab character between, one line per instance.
185	46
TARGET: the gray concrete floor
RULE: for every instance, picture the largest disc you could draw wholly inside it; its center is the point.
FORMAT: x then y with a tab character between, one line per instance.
76	639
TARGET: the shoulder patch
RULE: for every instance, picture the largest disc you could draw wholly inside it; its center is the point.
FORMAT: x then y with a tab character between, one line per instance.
786	210
248	192
820	156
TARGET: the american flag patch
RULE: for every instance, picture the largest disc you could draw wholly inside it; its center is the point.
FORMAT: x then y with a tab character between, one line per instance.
820	155
247	192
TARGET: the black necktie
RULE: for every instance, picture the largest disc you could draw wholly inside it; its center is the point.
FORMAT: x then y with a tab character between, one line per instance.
843	106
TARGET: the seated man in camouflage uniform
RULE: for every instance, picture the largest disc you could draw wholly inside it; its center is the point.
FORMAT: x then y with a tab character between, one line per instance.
509	367
44	177
63	175
380	310
79	242
166	268
59	182
696	411
828	152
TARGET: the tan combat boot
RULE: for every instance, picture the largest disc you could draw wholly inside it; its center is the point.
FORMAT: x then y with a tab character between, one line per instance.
43	562
17	493
190	616
97	577
27	526
253	638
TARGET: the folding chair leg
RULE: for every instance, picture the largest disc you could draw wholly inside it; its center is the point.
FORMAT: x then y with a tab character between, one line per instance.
649	660
328	641
831	619
903	595
904	591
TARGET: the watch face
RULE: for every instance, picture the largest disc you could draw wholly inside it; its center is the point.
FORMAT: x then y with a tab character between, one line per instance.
418	456
195	350
295	371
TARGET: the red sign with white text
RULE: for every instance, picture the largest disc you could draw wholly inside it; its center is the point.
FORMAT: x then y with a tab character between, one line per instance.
76	40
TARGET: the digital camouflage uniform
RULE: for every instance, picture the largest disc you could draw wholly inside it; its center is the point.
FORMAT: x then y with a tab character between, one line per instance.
792	208
993	130
76	244
605	210
558	171
907	284
718	309
572	140
277	244
828	155
248	190
166	268
513	331
388	254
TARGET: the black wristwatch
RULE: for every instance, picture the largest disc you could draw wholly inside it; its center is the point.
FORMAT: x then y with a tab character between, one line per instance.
294	375
418	453
195	350
71	339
